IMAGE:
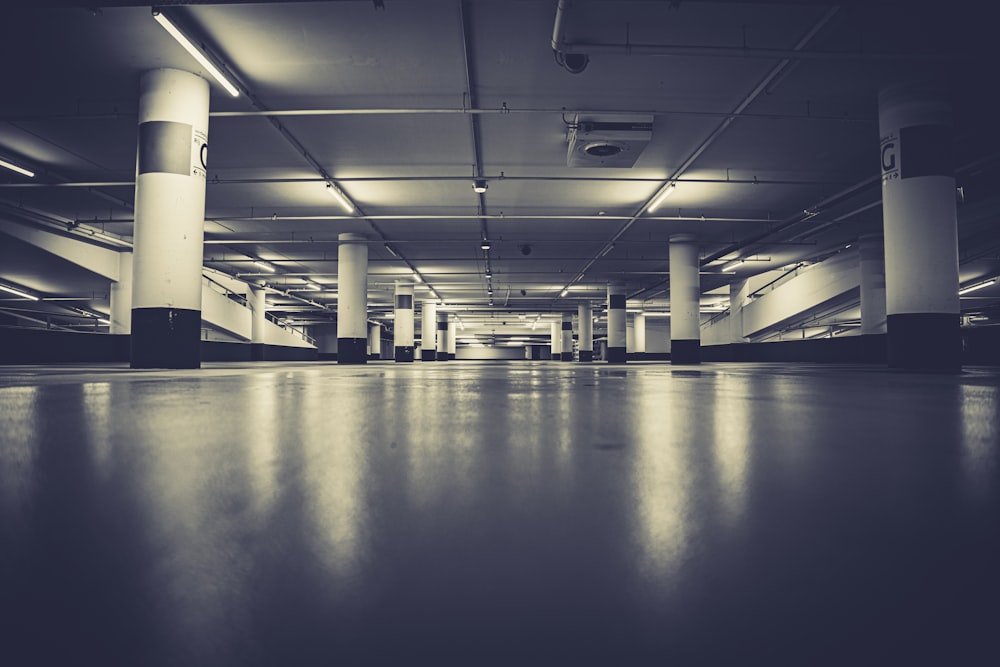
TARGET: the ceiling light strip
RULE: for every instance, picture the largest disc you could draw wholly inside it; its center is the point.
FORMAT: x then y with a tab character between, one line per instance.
199	54
977	286
13	167
20	293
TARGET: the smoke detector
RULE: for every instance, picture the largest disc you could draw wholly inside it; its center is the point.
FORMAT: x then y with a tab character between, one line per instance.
608	141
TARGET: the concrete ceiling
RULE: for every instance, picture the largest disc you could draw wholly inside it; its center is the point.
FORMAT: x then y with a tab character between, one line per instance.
765	114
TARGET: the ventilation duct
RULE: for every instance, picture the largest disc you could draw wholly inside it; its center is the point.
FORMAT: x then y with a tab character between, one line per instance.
608	141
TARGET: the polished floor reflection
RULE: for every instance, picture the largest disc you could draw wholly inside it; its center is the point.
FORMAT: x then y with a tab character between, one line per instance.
487	513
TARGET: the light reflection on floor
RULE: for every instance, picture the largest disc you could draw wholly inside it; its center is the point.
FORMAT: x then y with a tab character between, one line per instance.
520	513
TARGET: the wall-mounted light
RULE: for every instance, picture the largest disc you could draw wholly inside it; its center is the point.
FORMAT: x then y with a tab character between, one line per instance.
199	55
666	192
340	197
973	288
479	185
20	293
13	167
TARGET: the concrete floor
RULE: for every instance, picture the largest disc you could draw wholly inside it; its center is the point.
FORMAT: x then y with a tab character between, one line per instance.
499	513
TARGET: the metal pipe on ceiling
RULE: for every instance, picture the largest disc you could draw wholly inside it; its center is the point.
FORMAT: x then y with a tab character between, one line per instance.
278	113
393	179
681	50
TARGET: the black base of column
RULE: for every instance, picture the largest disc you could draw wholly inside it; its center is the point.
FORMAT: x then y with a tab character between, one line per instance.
404	353
616	355
352	350
428	355
257	352
374	357
636	356
565	356
444	356
165	338
685	351
586	355
930	342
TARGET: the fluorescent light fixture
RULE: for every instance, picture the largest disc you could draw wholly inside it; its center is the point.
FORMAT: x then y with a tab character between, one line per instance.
198	54
973	288
103	320
20	293
263	266
14	167
341	198
479	185
607	250
391	250
735	263
489	274
313	286
655	204
485	245
563	293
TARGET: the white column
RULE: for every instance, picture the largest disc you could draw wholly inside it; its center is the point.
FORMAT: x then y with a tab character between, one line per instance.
556	341
639	326
428	331
586	317
616	324
566	349
452	343
402	324
442	336
374	341
919	220
685	299
257	300
169	220
352	299
737	294
872	256
121	296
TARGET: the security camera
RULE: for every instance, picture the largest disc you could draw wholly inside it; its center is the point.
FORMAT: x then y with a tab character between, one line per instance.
525	249
524	293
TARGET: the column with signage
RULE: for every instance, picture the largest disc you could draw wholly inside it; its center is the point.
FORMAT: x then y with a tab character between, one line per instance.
586	317
920	228
616	353
169	220
402	323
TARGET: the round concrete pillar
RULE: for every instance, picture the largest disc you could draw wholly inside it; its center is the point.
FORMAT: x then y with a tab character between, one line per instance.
169	220
685	300
586	317
428	331
352	299
566	350
920	227
616	324
403	322
120	296
442	336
